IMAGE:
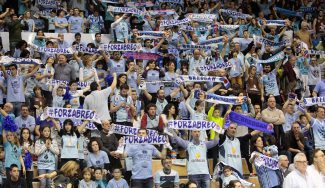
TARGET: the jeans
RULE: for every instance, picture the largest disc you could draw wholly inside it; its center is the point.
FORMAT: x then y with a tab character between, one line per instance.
45	182
202	180
142	183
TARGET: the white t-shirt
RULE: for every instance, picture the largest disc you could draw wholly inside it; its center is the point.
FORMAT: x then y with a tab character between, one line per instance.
98	101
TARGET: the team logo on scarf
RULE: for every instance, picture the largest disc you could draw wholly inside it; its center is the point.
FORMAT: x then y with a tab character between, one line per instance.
128	10
250	122
151	34
215	66
263	160
6	60
130	131
156	140
235	14
274	22
167	23
213	98
269	42
121	47
141	55
71	113
277	57
314	100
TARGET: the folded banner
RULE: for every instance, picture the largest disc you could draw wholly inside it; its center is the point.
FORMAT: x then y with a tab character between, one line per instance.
228	27
269	42
193	47
141	55
47	3
315	52
263	160
129	10
166	23
171	1
213	41
57	82
277	57
214	66
288	12
130	131
157	139
213	98
11	60
140	4
235	14
274	22
194	125
250	122
161	12
184	78
71	113
55	50
87	50
202	17
151	34
314	100
307	9
121	47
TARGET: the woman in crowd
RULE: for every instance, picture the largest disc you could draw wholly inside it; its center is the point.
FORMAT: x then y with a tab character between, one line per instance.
267	177
70	135
13	153
47	151
66	176
97	158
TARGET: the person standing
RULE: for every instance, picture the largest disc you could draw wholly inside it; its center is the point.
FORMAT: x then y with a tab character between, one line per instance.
98	99
142	161
15	86
197	167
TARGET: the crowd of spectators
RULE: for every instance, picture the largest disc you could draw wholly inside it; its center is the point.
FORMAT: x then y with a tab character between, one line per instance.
287	93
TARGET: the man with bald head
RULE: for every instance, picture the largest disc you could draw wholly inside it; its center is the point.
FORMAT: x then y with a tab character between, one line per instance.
275	116
196	61
299	177
110	144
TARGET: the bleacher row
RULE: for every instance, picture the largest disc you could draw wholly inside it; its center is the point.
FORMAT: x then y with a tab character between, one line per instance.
182	171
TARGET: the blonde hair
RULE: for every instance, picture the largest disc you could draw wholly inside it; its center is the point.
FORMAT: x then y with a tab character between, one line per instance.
69	167
16	139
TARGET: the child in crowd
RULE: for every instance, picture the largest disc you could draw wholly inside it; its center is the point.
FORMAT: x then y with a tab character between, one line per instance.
117	181
228	176
100	183
86	182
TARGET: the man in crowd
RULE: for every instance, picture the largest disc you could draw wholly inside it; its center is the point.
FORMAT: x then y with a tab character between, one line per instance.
167	177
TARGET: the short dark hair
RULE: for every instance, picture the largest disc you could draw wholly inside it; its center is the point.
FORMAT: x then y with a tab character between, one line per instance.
141	129
151	105
24	105
93	86
93	139
98	34
13	65
124	86
13	166
77	34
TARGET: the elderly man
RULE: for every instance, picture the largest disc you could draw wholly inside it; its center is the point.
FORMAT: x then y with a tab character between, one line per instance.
275	116
284	165
299	177
318	168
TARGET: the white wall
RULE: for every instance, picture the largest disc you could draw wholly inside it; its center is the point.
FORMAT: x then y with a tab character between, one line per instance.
69	37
